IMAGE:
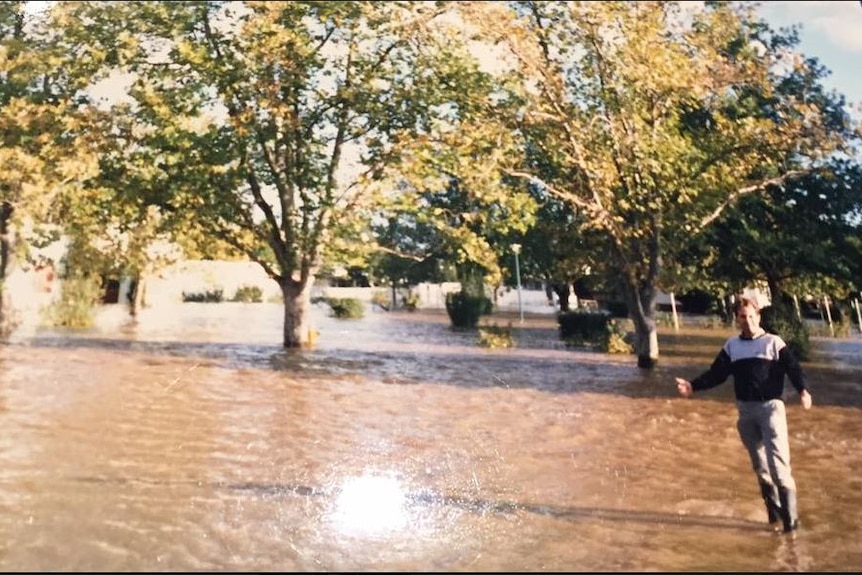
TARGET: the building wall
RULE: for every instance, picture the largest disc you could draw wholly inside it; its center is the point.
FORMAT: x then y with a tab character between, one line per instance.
198	276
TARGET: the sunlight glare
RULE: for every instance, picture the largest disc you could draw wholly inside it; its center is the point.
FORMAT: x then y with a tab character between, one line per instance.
370	504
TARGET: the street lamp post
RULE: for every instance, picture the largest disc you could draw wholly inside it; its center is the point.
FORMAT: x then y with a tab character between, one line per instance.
517	249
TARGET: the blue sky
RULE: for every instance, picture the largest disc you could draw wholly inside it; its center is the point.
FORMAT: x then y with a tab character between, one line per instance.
831	32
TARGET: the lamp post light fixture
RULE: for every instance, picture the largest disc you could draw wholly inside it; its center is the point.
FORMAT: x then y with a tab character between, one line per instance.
517	249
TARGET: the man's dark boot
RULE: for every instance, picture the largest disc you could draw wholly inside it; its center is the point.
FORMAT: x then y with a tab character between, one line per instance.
789	518
770	498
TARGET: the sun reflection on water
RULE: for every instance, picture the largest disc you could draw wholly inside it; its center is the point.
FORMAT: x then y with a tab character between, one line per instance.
371	504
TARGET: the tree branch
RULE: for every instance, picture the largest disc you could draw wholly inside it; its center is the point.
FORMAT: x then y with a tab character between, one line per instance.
734	196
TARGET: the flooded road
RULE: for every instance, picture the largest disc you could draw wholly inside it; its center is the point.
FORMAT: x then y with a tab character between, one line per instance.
190	441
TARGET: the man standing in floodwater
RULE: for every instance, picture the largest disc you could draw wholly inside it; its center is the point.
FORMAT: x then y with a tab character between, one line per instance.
758	362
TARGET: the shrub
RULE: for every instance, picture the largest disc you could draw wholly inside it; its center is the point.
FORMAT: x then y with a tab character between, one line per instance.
209	296
77	303
597	329
345	307
248	294
465	310
411	301
616	338
580	327
494	337
381	300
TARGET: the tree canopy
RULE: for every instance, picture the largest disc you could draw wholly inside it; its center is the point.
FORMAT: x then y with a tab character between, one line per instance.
613	135
651	118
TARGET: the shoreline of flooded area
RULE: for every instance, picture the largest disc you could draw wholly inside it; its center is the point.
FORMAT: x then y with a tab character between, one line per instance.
195	442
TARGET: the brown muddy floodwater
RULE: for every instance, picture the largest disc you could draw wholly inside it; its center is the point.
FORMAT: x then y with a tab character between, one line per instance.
190	441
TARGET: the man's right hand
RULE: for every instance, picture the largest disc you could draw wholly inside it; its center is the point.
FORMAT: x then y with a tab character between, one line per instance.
684	387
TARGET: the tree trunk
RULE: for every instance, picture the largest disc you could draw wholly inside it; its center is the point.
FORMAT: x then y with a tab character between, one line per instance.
776	293
563	292
642	309
297	313
138	299
6	252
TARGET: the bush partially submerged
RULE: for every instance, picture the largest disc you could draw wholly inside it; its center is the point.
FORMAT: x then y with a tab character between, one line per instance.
208	296
596	329
493	336
343	307
248	294
465	310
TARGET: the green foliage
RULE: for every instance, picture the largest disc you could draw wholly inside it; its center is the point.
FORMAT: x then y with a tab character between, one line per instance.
580	327
248	294
207	296
9	319
411	301
76	306
242	131
782	320
699	302
344	308
617	308
381	299
617	339
414	251
492	336
597	329
802	237
236	131
678	141
465	310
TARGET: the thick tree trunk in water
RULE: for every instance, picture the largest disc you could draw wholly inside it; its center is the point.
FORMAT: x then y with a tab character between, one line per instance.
642	309
297	314
646	342
138	299
6	251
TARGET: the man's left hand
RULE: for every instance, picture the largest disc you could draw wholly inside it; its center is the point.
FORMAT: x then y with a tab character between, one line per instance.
805	399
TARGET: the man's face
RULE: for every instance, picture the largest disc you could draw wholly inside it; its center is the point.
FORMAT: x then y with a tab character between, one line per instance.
748	320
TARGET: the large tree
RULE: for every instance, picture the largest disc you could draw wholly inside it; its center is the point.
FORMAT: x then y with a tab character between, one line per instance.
45	149
273	118
800	238
652	118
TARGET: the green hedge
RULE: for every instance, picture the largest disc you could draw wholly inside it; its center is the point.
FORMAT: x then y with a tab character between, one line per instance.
209	296
583	325
598	329
248	294
343	307
465	310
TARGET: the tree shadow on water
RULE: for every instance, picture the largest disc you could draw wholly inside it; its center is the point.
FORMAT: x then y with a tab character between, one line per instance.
429	499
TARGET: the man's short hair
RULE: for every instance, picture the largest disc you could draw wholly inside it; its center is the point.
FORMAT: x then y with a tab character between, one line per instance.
746	301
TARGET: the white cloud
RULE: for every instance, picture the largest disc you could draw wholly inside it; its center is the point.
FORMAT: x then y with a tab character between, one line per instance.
830	32
839	23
